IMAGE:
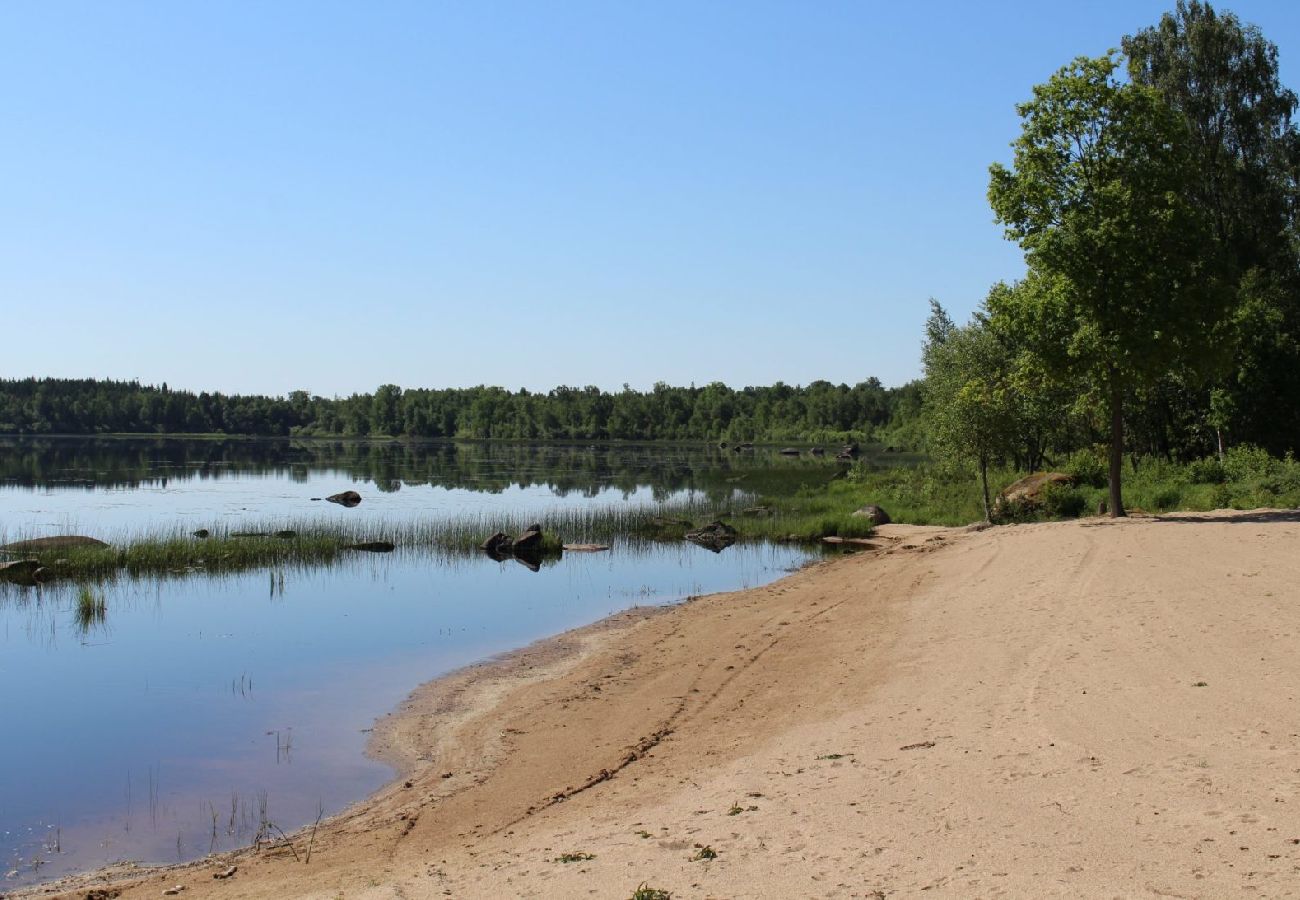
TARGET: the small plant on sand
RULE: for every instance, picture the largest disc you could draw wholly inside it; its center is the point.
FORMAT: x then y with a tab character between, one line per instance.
645	892
736	809
705	852
574	857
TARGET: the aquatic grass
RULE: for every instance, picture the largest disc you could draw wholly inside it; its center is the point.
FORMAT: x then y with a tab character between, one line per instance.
811	513
91	608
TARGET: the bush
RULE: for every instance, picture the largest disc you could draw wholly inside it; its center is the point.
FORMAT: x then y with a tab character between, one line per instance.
1206	471
1248	463
1167	498
1062	502
1088	467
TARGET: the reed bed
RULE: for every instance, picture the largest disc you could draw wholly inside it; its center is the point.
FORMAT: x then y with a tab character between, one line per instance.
177	552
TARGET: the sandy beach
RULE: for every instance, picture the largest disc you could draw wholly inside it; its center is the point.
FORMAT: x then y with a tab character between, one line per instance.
1093	708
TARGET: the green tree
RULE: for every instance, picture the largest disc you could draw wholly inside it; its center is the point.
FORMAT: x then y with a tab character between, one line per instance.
1222	76
971	407
1097	198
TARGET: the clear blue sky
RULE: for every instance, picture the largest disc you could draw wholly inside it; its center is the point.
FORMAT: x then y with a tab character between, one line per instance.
266	196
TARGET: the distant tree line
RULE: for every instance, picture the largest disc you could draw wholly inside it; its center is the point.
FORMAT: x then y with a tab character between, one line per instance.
820	411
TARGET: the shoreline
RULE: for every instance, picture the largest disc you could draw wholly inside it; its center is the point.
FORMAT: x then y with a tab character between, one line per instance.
1059	709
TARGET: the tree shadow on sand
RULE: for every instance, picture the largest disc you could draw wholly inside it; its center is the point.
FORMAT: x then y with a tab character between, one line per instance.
1246	517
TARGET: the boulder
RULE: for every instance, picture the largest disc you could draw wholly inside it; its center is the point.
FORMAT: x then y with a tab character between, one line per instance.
817	451
346	498
497	546
58	542
530	541
585	548
715	536
1028	491
23	571
372	546
875	513
202	533
789	451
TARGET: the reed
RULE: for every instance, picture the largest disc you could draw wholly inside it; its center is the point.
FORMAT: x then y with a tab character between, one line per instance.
809	515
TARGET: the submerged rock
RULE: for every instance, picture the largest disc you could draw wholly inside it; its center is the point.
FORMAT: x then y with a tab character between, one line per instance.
715	536
497	546
27	572
373	546
789	451
345	498
57	542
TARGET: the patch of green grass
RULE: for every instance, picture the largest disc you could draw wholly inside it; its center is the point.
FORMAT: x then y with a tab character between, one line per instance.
645	892
574	857
704	853
931	494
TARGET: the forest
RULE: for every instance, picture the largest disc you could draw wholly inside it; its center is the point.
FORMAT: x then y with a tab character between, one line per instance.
820	411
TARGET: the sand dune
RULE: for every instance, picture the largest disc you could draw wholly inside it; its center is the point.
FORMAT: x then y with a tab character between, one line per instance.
1082	709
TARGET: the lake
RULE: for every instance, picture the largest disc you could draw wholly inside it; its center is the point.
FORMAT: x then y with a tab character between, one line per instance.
201	706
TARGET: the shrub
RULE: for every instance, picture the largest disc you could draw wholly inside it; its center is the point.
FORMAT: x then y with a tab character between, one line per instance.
1206	471
1248	463
1167	498
1062	502
1088	468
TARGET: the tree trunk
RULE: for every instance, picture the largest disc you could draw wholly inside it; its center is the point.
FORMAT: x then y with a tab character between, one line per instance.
1218	433
1116	445
984	483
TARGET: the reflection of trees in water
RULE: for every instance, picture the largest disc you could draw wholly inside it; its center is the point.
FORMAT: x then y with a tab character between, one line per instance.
566	470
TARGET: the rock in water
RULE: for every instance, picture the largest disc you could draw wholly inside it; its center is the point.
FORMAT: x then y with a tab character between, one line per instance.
202	533
27	572
373	546
58	542
530	542
346	498
715	536
876	514
497	546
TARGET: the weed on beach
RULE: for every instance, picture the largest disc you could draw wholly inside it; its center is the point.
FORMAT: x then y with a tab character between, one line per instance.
645	892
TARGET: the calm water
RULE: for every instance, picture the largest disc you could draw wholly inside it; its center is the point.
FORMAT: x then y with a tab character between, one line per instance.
163	732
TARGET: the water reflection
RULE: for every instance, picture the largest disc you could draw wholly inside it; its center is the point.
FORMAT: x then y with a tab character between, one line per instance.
185	716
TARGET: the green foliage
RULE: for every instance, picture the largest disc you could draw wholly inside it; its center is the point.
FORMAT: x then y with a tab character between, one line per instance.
820	412
1063	502
1087	467
1099	198
645	892
1208	470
